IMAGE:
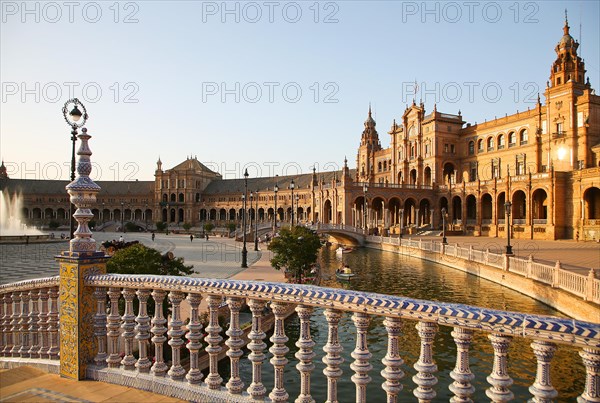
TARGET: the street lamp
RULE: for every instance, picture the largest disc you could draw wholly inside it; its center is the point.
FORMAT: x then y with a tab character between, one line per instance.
122	217
275	189
256	224
244	250
75	121
297	215
146	216
103	219
365	188
292	185
250	210
444	240
507	207
401	222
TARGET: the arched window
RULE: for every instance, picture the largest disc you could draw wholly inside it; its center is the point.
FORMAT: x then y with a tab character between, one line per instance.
523	137
385	165
480	145
379	167
471	147
500	141
181	198
490	143
512	139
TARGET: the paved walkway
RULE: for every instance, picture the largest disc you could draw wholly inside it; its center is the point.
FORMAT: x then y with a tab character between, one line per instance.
215	258
579	257
27	384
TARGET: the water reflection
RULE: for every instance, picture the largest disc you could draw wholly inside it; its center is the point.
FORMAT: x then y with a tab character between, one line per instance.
393	274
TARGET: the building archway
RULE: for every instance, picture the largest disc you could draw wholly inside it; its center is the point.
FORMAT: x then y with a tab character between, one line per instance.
449	173
180	215
456	210
471	209
413	176
500	213
213	214
222	214
486	208
424	213
427	176
327	211
164	215
172	214
539	205
231	214
410	209
591	202
377	208
202	214
519	206
395	206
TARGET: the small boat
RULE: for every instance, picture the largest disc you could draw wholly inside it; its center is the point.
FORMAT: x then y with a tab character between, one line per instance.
341	250
345	276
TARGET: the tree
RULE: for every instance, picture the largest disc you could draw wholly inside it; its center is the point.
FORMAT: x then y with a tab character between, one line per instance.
208	227
53	224
187	226
161	226
295	250
231	227
138	259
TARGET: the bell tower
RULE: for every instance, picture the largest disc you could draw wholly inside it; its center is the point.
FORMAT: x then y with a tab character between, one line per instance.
568	67
369	144
566	108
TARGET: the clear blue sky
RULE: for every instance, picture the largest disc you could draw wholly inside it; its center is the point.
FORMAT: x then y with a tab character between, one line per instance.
170	72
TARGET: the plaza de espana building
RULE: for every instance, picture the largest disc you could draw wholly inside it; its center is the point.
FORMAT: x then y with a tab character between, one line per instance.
545	161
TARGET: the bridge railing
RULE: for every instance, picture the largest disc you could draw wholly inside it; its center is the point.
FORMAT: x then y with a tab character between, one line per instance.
585	286
131	345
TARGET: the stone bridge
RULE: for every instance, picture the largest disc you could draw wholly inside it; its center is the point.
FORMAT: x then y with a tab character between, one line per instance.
343	234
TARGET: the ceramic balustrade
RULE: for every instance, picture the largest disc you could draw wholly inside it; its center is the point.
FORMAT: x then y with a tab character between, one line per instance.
128	340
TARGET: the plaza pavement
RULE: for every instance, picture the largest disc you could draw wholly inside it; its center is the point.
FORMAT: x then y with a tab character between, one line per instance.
221	257
215	258
578	257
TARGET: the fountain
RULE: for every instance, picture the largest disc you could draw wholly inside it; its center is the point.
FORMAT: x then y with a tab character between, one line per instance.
12	229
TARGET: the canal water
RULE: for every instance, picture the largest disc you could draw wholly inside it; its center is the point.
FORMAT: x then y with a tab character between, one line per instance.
393	274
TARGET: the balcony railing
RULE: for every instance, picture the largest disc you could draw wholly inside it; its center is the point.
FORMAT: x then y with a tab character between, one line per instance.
123	342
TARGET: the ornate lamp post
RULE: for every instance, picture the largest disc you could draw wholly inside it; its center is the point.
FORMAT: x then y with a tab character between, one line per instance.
507	208
103	219
365	188
256	224
74	119
444	240
146	216
244	250
275	189
122	216
292	185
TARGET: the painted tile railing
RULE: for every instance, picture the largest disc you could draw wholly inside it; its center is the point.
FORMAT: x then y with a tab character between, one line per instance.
29	319
124	334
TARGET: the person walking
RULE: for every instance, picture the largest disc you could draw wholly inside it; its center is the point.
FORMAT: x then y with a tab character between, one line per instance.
191	237
153	236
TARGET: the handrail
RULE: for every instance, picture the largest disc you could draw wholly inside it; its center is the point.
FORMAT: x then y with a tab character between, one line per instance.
31	284
584	334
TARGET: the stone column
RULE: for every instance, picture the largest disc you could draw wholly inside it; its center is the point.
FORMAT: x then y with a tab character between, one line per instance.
77	305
